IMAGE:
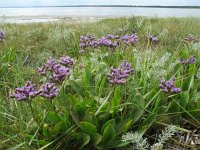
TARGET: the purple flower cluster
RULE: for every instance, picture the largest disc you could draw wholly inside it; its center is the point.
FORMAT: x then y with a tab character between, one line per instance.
28	92
59	71
25	92
2	36
87	41
168	87
191	60
111	41
119	75
108	42
130	39
67	61
153	39
49	91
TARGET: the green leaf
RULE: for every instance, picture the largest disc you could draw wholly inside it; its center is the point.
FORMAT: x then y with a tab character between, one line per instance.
33	137
101	87
86	139
122	144
109	122
147	123
184	98
91	118
42	142
17	146
117	97
79	109
88	82
88	128
77	88
54	117
57	128
128	125
108	135
96	138
105	101
138	109
188	83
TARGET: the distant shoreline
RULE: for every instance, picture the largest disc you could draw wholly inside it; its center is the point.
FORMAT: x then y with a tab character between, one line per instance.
186	7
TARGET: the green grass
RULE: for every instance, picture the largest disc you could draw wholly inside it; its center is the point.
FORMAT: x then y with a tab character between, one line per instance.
27	46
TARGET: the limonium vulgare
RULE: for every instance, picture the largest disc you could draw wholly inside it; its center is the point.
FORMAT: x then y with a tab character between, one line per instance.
89	41
191	60
67	61
168	87
2	36
119	75
130	39
153	39
26	92
49	91
58	71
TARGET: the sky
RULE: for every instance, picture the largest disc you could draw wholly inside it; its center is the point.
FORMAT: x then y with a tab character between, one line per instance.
18	3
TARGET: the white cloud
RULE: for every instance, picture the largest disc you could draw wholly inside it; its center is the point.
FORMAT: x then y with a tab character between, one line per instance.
4	3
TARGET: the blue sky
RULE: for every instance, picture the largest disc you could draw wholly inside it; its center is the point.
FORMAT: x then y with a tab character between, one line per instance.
17	3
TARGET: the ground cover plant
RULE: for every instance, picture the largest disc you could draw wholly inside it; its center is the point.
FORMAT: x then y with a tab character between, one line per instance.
113	84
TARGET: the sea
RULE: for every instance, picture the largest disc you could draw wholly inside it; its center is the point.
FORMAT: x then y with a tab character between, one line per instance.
44	14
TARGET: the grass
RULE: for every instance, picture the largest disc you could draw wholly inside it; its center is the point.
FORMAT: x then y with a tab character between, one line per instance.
27	46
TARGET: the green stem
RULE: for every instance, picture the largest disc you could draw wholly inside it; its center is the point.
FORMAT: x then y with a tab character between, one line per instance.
34	118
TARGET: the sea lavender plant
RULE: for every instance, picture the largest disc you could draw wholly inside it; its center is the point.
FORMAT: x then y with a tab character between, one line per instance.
106	42
43	69
130	39
81	51
67	61
2	36
153	39
89	41
191	60
58	72
119	75
25	93
49	91
168	87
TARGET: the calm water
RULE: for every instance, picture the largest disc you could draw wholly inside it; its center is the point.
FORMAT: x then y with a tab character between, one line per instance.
98	11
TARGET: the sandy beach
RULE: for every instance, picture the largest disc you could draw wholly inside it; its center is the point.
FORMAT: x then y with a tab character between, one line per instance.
38	19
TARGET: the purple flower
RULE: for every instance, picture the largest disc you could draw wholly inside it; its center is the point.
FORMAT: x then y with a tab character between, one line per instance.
43	69
51	62
168	87
2	36
153	39
191	60
81	51
110	36
132	39
119	75
25	92
67	61
82	45
59	74
49	91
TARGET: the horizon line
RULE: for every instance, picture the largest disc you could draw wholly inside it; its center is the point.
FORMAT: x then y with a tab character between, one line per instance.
153	6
